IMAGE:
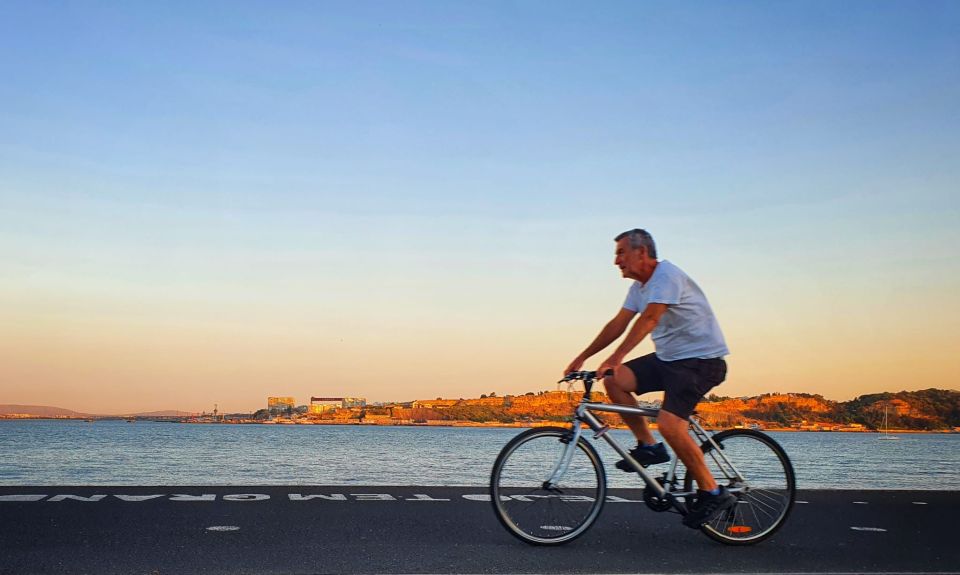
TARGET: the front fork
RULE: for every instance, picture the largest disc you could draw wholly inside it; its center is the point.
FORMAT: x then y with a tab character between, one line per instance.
563	463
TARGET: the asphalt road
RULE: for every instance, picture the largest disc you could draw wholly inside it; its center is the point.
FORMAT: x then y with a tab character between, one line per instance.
357	529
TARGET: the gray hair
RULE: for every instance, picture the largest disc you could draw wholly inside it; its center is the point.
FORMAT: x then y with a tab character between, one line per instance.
640	239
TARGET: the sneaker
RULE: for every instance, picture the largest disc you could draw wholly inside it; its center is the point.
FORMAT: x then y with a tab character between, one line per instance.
708	506
645	455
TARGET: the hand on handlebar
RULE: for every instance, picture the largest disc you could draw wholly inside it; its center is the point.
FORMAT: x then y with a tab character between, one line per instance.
575	365
573	373
609	365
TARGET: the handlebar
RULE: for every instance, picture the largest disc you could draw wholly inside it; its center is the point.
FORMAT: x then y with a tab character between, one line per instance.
579	375
587	377
583	376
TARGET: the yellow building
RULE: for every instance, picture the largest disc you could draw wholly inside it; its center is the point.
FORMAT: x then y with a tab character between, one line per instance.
280	403
320	405
434	403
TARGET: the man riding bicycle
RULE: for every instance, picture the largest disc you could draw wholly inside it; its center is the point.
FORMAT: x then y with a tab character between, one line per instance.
688	362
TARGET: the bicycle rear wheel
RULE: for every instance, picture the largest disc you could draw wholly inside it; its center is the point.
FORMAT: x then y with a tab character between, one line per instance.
547	515
758	472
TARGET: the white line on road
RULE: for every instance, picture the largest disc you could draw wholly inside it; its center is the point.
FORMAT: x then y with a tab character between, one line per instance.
23	497
876	529
223	528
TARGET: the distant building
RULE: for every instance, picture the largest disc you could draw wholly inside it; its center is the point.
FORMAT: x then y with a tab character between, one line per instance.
489	401
434	403
322	404
280	404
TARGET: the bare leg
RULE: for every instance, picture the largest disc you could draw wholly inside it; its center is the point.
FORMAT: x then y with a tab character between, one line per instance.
674	430
620	387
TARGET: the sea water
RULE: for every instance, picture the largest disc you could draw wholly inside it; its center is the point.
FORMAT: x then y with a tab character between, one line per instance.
74	452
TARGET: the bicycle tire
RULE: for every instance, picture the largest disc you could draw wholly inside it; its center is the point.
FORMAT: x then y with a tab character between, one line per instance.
764	502
547	517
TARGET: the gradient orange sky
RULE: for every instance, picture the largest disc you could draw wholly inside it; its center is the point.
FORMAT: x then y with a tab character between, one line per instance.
411	203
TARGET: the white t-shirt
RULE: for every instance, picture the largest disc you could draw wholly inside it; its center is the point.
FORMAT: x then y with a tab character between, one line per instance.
688	329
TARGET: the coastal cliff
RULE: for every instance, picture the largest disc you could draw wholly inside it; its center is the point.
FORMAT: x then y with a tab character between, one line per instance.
925	410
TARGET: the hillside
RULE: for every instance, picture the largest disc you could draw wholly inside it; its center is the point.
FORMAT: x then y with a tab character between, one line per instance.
49	411
924	410
928	409
39	411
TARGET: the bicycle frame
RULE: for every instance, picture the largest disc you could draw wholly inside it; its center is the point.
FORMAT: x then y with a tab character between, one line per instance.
585	414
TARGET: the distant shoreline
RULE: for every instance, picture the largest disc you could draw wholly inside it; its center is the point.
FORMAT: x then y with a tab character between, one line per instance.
922	411
518	425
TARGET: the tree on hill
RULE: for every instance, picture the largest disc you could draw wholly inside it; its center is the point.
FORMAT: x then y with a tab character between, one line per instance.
929	409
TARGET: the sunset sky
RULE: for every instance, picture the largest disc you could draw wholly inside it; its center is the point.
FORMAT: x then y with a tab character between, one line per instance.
213	202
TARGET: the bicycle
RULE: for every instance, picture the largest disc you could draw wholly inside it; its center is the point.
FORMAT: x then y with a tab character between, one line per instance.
548	484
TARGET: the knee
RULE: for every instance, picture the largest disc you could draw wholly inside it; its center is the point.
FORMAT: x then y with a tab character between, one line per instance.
617	384
611	386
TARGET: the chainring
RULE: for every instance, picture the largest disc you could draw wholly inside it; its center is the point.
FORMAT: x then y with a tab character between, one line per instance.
654	501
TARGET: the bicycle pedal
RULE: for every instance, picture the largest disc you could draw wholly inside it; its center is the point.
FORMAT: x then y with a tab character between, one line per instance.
601	432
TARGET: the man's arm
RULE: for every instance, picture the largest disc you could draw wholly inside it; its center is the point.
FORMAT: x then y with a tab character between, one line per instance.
641	328
610	332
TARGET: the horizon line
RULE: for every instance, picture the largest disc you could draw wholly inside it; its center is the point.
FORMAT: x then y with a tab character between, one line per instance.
382	403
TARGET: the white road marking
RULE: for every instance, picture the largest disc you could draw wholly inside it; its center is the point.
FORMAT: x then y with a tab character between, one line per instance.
422	497
617	499
21	497
76	498
919	502
860	503
223	528
331	497
877	529
374	497
137	498
801	502
246	497
184	497
481	497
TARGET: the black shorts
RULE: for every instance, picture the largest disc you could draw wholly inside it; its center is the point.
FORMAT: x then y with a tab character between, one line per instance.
684	382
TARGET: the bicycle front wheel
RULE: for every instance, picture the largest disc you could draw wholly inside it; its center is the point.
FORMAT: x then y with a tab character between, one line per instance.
534	510
753	467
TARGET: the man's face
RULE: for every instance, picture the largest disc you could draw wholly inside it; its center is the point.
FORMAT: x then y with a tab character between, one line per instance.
628	259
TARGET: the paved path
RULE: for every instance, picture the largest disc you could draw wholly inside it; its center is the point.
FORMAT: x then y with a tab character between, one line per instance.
355	529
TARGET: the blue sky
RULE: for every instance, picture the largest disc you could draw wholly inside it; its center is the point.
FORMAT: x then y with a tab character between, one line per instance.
437	184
